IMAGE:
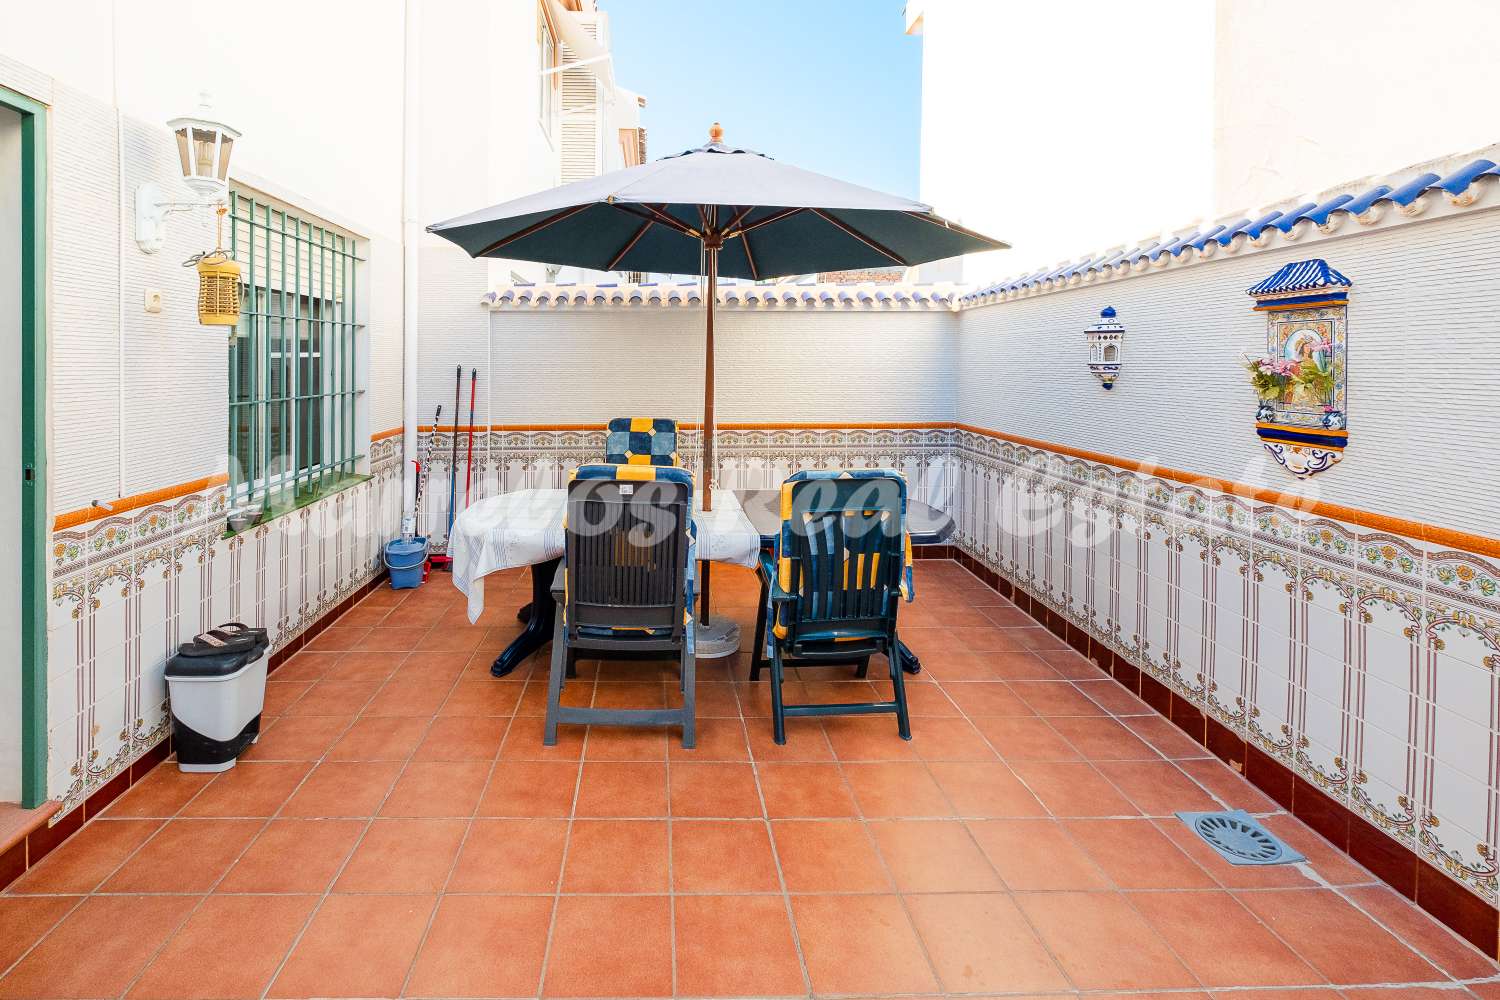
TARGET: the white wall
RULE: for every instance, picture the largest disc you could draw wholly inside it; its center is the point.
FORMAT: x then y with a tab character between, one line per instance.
138	401
314	87
1068	129
320	115
10	451
476	150
1309	95
118	422
1421	373
586	365
1063	128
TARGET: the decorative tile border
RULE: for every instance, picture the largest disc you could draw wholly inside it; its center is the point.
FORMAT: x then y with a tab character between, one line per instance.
1349	671
27	852
127	588
1364	664
1465	912
753	457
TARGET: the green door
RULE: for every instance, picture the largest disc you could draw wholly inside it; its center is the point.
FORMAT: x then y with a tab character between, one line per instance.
23	407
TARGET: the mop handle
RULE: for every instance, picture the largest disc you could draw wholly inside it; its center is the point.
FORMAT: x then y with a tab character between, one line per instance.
469	459
458	385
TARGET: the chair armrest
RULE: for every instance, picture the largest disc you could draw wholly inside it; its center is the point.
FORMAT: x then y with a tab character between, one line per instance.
768	567
559	582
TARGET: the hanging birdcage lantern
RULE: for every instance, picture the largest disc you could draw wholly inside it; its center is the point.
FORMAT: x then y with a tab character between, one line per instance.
218	289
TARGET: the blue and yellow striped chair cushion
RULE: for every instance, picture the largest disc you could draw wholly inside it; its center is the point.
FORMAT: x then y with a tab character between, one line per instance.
641	441
642	473
784	540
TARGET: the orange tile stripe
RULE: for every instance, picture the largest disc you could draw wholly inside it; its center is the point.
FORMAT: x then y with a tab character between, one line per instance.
899	425
73	518
896	426
1430	533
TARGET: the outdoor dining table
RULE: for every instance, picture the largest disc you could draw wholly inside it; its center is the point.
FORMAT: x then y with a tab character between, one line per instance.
525	528
925	524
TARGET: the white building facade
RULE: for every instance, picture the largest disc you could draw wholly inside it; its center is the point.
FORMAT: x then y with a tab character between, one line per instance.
1182	113
150	426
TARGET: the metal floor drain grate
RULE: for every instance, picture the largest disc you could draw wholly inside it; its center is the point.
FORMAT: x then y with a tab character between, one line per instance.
1240	839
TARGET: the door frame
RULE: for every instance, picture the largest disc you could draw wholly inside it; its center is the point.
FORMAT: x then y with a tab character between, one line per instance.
33	444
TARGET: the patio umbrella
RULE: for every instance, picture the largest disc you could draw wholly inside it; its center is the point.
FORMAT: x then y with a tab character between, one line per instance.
709	211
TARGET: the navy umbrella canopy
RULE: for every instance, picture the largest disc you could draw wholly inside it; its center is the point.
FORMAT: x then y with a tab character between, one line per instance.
771	219
713	210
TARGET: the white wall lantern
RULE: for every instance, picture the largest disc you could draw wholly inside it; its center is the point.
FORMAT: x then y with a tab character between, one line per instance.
1106	347
204	147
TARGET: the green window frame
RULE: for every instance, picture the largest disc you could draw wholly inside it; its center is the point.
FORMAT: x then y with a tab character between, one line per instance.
292	358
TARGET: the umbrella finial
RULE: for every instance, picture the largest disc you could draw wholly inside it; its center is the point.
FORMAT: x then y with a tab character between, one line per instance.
716	132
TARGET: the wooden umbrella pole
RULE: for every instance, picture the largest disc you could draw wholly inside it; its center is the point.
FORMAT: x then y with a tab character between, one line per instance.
711	245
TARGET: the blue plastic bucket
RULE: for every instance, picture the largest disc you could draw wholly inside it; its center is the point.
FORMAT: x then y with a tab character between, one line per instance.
404	557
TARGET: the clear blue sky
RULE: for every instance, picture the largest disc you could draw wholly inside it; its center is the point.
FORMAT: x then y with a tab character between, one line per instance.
830	85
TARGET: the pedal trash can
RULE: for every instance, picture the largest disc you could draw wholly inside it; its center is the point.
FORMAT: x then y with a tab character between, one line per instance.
216	693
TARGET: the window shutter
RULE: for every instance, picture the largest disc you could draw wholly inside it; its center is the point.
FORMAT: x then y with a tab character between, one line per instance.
580	117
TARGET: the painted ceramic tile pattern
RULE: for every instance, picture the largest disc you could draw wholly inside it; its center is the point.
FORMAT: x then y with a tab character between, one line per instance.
1365	662
746	459
127	589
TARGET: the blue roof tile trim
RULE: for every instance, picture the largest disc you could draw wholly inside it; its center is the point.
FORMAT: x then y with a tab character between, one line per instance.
1292	216
1361	204
1174	245
1327	213
1319	214
1261	224
1412	189
1201	240
1460	179
1300	276
1245	226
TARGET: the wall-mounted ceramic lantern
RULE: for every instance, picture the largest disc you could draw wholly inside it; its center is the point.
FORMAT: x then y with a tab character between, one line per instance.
1106	347
1301	417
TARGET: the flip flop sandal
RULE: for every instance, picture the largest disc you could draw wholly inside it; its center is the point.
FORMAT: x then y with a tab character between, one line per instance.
216	642
262	637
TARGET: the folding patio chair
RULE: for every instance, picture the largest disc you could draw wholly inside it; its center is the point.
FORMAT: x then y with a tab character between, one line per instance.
641	441
842	565
625	586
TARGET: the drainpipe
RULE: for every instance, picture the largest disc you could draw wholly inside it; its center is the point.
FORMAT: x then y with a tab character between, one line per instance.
411	232
114	85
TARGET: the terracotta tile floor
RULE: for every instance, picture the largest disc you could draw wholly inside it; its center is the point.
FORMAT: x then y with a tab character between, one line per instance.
400	830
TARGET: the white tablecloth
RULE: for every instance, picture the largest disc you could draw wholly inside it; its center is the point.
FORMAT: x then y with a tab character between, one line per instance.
525	527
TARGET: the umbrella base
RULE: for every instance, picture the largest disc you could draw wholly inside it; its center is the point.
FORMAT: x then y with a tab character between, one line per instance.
716	640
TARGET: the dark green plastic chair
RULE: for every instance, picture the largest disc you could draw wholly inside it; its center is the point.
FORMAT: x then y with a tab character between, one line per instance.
625	586
840	569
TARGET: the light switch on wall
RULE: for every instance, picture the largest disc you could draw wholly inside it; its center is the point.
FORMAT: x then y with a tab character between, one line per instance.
153	300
